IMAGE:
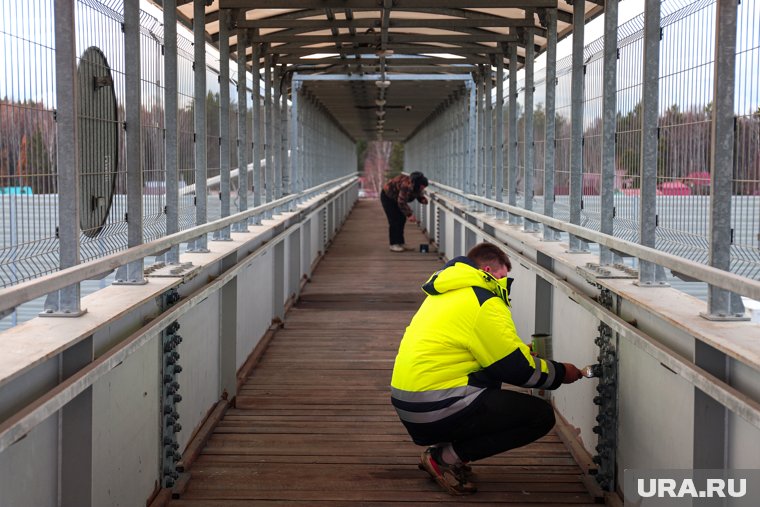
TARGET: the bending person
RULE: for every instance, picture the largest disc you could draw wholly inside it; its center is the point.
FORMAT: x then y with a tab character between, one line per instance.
396	193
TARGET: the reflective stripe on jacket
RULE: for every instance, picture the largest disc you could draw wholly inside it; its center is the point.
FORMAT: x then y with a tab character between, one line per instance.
461	341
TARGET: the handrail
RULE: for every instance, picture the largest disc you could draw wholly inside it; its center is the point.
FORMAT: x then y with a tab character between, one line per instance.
714	276
11	297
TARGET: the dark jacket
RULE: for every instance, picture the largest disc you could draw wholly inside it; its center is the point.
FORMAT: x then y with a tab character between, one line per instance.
401	190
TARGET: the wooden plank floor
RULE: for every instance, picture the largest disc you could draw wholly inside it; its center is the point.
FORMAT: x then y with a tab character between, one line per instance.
314	426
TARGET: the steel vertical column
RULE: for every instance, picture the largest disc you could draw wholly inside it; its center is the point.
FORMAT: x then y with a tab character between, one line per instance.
75	419
295	155
171	149
512	133
268	153
472	140
132	273
550	134
224	123
66	301
199	72
256	137
481	154
609	126
650	274
242	150
723	304
530	148
576	121
499	130
277	127
284	159
488	134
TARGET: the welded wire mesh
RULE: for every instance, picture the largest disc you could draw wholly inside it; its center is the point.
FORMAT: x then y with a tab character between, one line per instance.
213	133
28	183
745	210
185	130
152	118
591	180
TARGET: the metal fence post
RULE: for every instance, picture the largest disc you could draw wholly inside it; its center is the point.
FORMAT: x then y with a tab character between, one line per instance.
472	147
295	156
722	304
650	275
276	136
488	134
609	127
242	152
132	273
499	130
268	153
256	137
199	245
66	301
224	123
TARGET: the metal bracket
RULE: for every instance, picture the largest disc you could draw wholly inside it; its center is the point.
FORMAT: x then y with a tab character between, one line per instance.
186	270
130	274
63	303
592	271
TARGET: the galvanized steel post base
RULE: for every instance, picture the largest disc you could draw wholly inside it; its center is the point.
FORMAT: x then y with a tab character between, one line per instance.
651	275
198	245
131	274
63	303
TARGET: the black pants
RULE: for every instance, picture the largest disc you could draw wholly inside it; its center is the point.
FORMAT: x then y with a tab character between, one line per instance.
497	421
396	220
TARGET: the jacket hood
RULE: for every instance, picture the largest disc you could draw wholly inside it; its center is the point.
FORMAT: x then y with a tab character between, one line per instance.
461	272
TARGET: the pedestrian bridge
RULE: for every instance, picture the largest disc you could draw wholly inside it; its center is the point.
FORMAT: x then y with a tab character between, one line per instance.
199	309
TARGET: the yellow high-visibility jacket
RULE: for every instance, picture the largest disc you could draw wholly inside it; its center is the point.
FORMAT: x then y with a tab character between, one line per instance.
460	342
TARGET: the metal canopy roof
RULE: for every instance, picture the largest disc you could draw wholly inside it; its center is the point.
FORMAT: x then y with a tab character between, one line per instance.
370	41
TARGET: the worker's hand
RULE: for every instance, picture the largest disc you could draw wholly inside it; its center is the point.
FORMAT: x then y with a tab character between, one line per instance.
412	219
572	373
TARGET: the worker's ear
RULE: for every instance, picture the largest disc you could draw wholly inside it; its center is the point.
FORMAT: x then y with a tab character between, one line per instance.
486	268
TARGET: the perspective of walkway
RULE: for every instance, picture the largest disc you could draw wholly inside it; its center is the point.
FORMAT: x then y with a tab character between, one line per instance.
313	424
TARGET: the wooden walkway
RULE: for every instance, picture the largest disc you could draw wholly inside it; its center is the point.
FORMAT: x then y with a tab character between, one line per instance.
313	425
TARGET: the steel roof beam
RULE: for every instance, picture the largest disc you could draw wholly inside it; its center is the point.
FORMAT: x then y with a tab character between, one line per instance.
391	38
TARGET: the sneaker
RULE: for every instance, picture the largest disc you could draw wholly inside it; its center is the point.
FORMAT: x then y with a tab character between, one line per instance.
397	248
449	477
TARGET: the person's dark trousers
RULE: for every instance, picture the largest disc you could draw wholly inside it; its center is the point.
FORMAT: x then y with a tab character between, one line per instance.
396	220
497	421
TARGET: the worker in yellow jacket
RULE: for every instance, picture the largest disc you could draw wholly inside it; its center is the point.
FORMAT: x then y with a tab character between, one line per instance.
459	348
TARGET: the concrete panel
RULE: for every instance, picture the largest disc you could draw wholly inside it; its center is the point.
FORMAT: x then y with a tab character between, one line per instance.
523	298
656	412
126	430
573	334
29	468
254	305
199	358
